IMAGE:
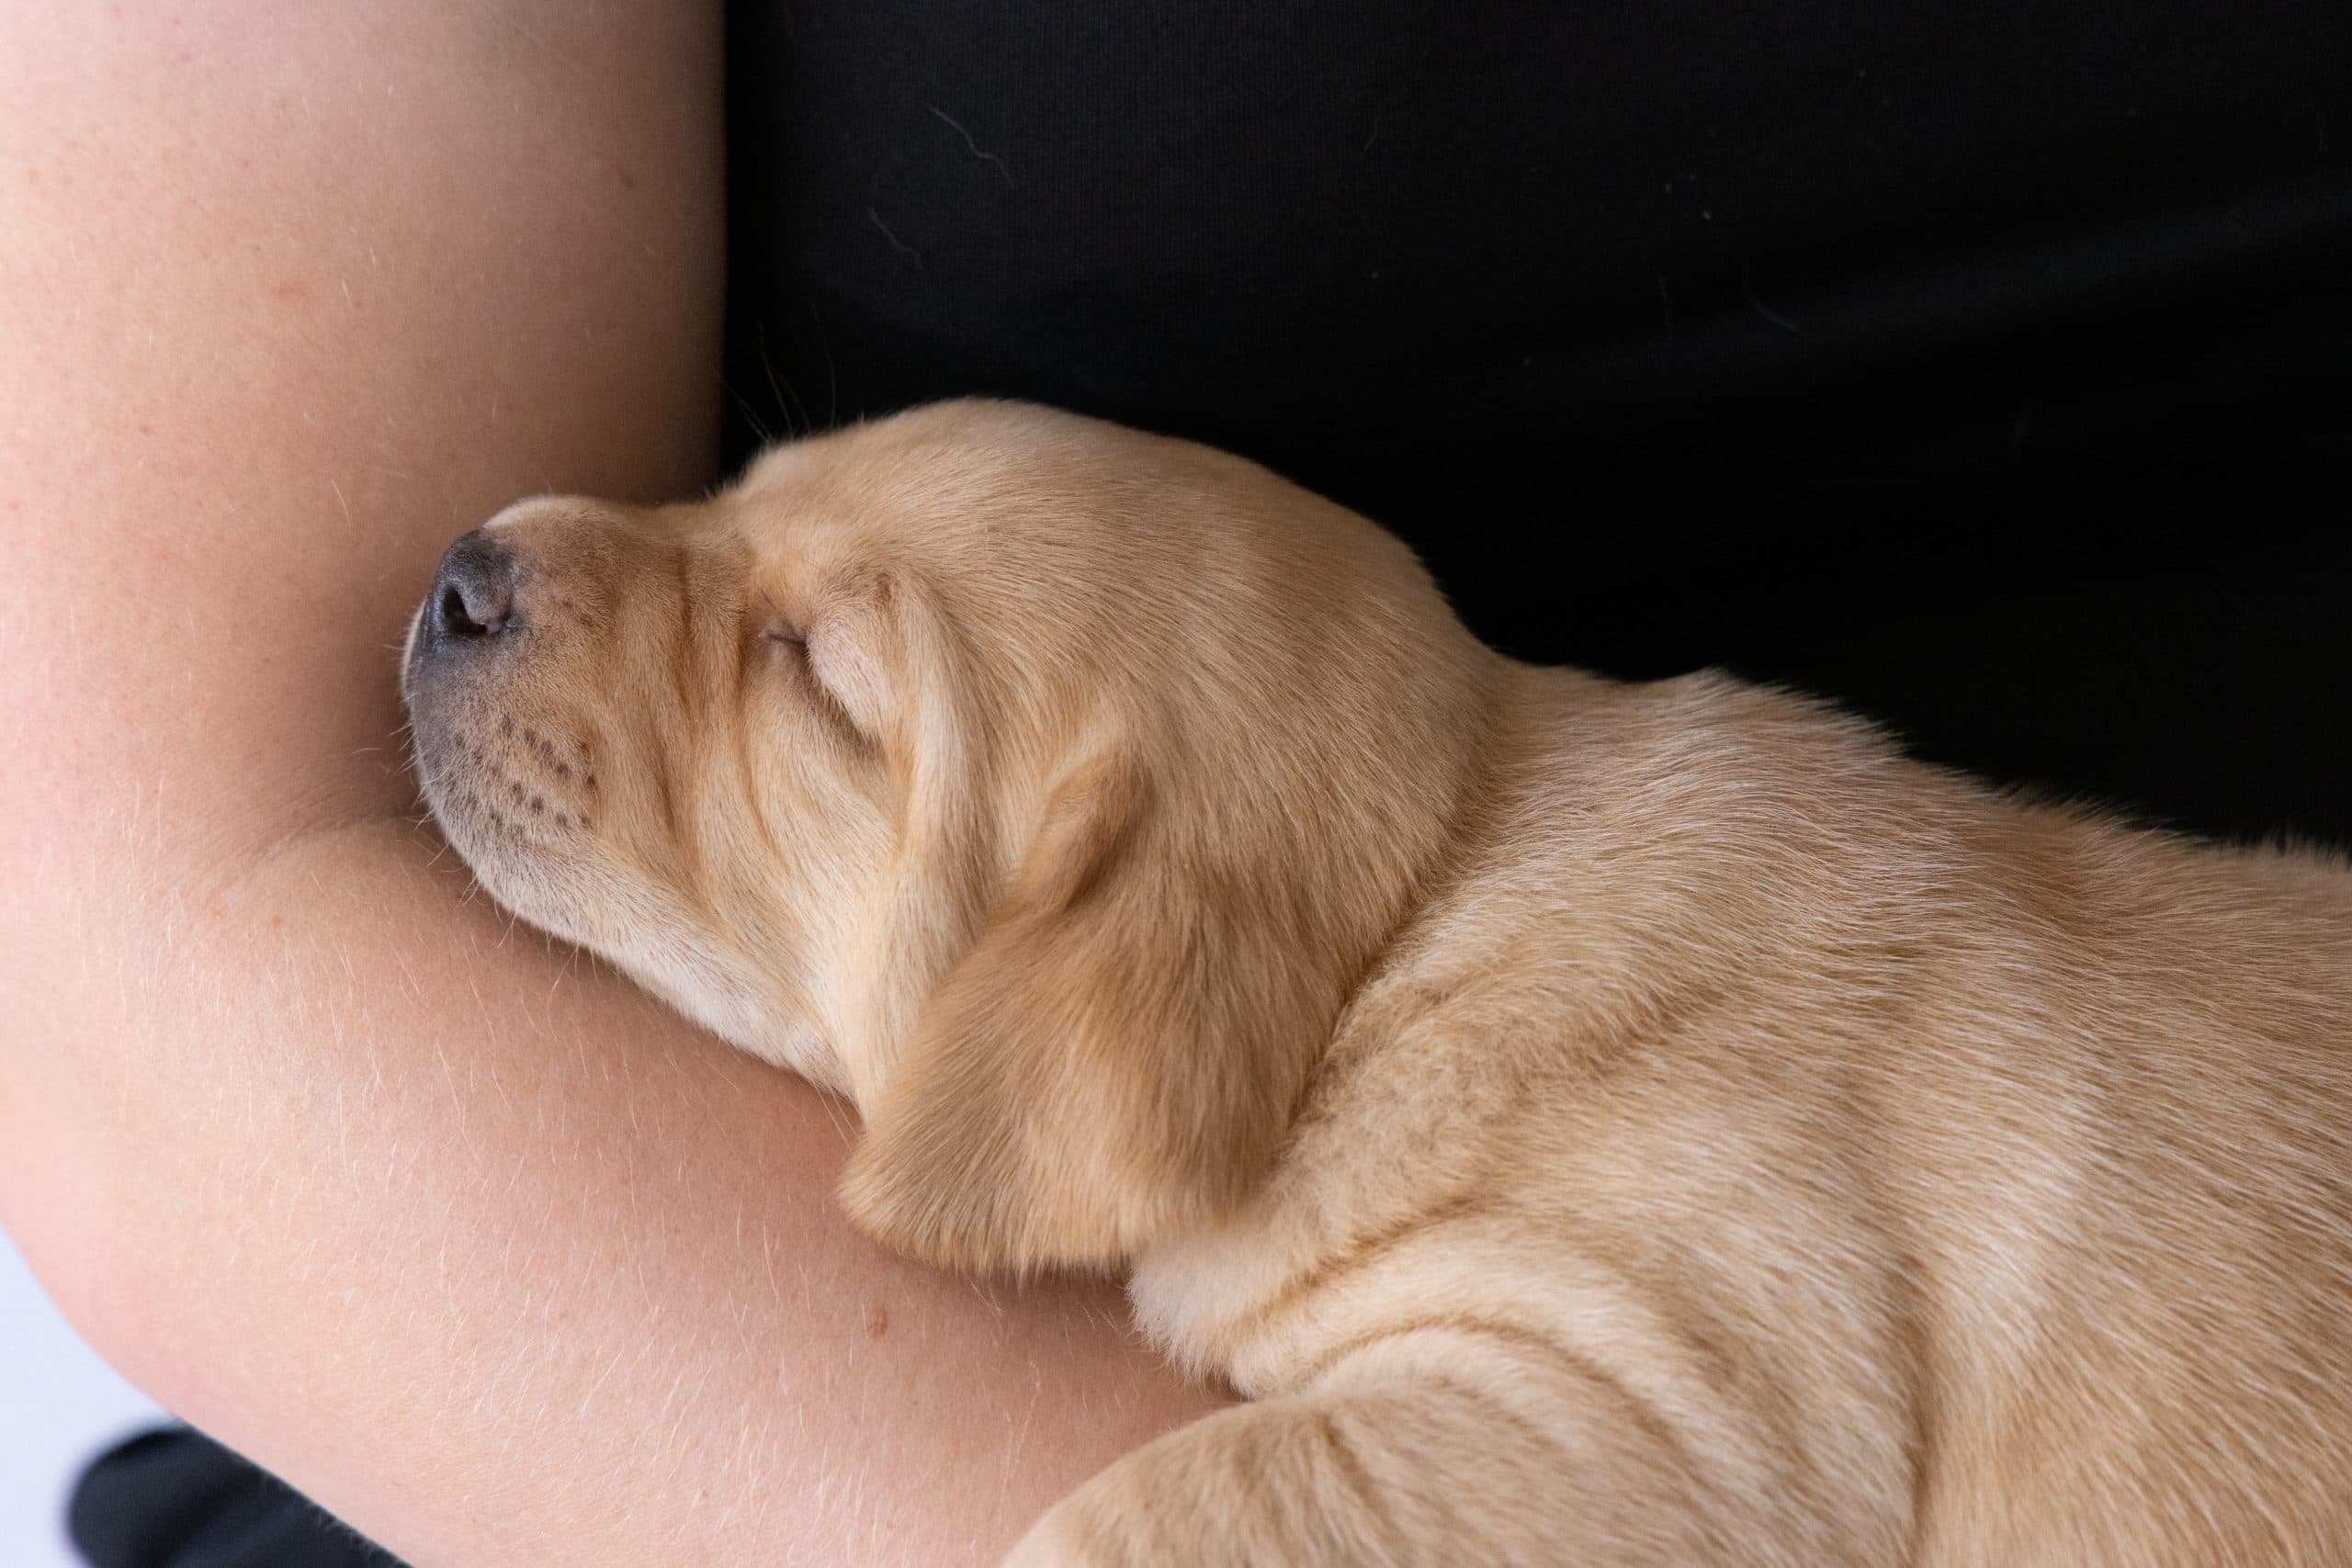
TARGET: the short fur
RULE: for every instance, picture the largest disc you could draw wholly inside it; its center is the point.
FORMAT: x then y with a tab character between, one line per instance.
1591	1123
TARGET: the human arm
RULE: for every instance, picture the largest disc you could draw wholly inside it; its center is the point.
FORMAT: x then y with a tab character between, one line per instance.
494	1257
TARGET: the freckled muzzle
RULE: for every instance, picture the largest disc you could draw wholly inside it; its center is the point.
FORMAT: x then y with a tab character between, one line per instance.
500	769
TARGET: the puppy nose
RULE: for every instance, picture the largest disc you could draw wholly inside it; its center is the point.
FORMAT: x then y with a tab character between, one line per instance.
473	595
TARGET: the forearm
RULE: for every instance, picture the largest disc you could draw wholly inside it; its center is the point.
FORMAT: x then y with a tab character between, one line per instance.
504	1264
463	1236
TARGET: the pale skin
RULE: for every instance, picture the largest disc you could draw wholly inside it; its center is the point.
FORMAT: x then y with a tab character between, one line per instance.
496	1259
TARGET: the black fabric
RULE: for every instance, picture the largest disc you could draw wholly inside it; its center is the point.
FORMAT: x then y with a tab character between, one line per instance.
1967	363
173	1498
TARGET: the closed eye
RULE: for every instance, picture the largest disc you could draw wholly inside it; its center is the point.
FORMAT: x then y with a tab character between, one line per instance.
789	645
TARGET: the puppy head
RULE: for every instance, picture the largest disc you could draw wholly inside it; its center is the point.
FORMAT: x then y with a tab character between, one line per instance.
653	736
1043	786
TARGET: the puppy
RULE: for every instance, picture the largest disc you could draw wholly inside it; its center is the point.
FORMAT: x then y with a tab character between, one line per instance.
1591	1123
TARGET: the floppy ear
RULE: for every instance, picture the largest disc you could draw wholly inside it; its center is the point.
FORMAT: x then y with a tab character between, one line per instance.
1115	1060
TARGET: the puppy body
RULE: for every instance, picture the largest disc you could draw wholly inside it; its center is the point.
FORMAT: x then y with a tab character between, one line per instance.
1821	1160
1591	1123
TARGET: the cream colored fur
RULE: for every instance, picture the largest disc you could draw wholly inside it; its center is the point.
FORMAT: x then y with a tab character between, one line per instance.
1591	1123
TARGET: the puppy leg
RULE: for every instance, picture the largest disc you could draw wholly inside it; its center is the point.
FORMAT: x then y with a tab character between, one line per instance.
1399	1473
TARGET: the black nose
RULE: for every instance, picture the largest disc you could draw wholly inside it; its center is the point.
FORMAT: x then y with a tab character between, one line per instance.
473	595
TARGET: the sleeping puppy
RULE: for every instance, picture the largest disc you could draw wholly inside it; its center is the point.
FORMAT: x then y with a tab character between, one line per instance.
1591	1123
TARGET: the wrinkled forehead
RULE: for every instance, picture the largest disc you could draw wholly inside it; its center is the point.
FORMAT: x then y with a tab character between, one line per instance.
1058	538
926	472
593	533
1002	498
867	483
603	559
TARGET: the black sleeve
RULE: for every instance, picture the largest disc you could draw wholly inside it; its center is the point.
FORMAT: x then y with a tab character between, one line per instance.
175	1498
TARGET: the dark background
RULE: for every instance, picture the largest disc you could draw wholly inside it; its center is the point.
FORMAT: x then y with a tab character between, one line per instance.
1983	365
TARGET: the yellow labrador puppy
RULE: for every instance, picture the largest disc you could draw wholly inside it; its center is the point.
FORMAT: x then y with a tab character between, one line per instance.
1592	1123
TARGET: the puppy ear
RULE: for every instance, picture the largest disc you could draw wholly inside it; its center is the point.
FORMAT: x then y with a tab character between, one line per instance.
1115	1060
